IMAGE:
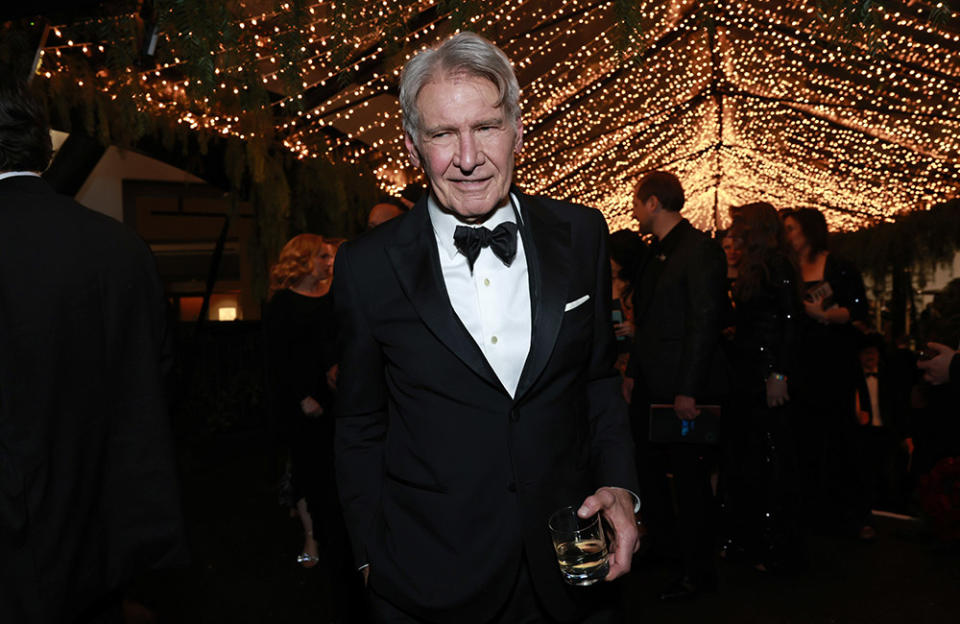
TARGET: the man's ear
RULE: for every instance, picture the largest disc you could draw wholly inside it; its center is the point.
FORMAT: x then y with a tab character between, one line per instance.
518	143
412	152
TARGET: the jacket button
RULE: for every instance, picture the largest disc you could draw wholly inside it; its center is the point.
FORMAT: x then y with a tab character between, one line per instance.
512	487
514	415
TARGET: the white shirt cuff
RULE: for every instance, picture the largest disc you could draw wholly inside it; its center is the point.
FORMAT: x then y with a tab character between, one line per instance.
636	499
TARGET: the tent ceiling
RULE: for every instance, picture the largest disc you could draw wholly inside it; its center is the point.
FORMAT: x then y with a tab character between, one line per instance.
745	100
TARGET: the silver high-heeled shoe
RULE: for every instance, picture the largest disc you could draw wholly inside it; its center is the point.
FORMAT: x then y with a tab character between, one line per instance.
307	560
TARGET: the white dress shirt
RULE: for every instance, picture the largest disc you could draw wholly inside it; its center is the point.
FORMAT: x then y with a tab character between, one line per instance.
493	302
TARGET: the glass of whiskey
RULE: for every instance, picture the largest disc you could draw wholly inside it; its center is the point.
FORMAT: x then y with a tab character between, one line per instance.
580	546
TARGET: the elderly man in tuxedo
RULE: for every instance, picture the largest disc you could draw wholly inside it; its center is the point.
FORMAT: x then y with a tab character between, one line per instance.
477	388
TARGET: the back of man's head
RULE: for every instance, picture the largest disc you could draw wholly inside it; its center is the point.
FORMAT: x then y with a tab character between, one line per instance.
665	187
384	211
24	132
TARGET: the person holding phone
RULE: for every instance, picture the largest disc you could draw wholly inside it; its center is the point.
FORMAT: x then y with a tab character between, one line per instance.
626	249
827	372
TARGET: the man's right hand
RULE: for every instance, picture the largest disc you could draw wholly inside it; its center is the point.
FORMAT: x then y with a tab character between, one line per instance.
627	389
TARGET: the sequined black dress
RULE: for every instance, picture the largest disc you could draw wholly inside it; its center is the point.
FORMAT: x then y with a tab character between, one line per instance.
762	496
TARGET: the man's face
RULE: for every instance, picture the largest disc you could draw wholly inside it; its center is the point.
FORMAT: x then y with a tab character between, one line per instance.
466	145
643	211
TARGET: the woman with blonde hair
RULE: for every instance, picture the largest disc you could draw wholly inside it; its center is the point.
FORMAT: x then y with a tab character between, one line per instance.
299	337
301	267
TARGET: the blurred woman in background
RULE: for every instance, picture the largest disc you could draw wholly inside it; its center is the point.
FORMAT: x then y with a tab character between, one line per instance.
299	336
763	499
733	250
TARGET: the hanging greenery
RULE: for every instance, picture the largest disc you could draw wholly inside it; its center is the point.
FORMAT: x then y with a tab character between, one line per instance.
919	240
860	20
203	47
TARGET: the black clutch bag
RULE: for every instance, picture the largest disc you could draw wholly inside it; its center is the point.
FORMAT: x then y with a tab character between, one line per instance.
666	428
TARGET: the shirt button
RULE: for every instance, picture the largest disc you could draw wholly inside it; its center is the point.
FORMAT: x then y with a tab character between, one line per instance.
494	340
486	281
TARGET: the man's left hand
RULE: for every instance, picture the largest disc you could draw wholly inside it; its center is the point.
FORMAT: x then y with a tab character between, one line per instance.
685	407
937	369
616	505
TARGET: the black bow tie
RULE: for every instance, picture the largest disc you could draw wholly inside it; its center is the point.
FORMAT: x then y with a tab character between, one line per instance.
502	241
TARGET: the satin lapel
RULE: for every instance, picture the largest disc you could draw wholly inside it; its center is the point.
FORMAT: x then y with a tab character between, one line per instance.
547	243
417	265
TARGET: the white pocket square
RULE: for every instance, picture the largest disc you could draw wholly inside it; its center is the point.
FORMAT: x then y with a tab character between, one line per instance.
576	303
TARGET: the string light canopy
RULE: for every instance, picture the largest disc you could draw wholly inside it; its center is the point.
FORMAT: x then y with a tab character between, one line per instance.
774	100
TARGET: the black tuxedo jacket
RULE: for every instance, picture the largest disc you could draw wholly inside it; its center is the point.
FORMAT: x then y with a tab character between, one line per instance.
679	310
88	494
445	479
894	397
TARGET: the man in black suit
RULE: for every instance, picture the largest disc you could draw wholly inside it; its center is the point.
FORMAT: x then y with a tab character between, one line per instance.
885	440
477	393
88	494
680	305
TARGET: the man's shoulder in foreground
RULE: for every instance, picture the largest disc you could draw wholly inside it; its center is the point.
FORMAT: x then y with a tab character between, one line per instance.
33	198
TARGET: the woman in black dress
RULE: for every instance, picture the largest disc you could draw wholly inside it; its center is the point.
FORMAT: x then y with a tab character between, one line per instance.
833	298
760	430
299	333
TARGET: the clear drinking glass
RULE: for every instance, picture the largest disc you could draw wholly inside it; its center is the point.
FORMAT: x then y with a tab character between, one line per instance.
580	546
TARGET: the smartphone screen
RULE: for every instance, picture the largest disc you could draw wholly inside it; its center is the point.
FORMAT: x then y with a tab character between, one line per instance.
617	315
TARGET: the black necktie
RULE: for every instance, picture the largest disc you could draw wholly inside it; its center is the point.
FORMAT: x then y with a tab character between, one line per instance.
502	241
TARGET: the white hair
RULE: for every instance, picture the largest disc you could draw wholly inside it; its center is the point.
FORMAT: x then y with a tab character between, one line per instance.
464	53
